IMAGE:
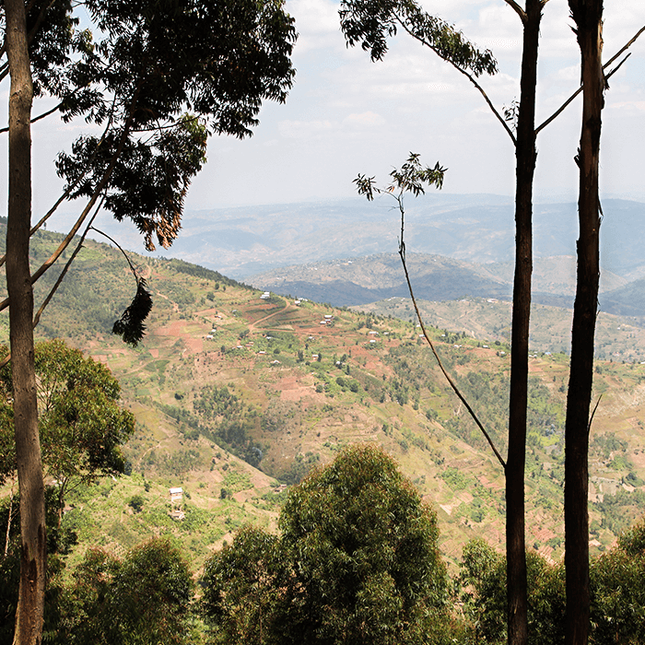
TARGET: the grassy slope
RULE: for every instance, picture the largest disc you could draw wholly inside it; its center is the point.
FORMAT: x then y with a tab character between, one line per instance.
300	412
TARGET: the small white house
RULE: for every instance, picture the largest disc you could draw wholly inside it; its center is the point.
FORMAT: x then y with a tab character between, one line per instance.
176	495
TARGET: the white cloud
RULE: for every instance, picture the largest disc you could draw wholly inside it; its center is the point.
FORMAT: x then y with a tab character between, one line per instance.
364	119
317	23
305	129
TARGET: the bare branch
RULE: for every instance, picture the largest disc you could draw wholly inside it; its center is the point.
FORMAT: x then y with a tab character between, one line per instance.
63	273
607	64
593	413
38	118
118	246
452	384
470	77
518	10
613	71
559	111
625	47
83	216
97	192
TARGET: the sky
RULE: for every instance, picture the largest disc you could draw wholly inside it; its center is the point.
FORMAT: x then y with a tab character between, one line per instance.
346	115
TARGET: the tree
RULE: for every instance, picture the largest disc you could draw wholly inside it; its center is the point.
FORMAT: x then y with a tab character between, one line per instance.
371	22
617	593
60	541
587	15
247	586
142	598
81	423
357	561
160	78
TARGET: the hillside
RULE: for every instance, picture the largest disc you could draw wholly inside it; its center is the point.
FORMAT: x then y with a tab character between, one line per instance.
367	279
464	296
235	394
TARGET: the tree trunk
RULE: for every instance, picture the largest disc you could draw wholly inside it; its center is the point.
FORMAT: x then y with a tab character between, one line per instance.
29	613
525	170
587	15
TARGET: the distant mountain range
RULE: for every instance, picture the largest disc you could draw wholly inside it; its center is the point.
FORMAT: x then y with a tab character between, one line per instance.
246	241
361	281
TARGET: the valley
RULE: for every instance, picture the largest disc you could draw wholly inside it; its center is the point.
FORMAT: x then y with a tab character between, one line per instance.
237	395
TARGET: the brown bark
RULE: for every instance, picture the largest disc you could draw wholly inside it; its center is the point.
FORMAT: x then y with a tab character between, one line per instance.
588	17
525	170
29	613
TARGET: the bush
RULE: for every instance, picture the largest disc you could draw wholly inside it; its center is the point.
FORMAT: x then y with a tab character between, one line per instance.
136	503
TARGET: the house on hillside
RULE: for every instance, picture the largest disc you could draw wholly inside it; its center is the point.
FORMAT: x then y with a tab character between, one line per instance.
176	499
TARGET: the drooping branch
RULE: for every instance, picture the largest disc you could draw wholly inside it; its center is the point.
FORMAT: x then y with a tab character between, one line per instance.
130	326
453	385
468	75
411	179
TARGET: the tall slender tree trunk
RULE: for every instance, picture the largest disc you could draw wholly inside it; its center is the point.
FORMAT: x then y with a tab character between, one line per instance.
29	614
515	464
587	15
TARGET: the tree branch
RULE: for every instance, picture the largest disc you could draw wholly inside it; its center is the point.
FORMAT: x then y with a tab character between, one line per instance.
518	10
118	246
452	384
607	64
61	199
95	195
593	413
38	118
469	76
63	273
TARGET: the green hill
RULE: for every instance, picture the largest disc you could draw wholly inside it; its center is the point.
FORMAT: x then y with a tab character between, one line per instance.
235	395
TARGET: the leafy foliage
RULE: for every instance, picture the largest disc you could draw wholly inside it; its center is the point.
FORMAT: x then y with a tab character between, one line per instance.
372	22
163	76
82	426
357	561
617	594
246	589
483	576
130	326
144	598
411	178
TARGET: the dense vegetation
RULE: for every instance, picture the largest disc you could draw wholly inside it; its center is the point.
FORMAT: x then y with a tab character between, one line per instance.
356	558
273	393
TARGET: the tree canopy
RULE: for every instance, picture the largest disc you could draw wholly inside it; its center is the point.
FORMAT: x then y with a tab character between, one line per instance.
357	561
81	421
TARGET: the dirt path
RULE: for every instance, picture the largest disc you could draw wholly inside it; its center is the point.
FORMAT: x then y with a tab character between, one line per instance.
252	326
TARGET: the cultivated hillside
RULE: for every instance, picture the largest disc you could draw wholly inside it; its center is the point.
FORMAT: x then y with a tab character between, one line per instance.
236	394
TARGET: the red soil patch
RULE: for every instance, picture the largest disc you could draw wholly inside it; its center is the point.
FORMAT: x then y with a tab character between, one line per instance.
293	389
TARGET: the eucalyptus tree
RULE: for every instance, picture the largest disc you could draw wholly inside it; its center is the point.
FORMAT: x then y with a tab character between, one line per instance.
370	23
587	15
157	77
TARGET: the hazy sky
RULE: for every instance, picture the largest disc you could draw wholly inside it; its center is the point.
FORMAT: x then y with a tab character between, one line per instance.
346	115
